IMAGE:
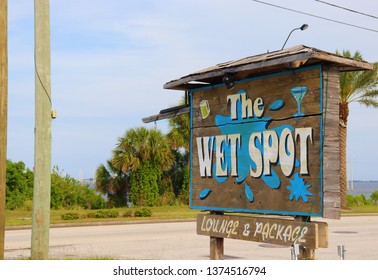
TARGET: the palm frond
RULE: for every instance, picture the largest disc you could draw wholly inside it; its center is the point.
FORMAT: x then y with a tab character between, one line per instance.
358	86
369	102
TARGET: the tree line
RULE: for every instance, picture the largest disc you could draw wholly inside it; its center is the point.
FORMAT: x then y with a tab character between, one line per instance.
147	167
358	200
66	192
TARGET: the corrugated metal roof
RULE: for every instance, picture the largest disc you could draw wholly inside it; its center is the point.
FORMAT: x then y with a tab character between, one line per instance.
290	58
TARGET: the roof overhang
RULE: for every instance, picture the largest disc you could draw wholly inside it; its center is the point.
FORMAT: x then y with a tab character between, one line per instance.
282	60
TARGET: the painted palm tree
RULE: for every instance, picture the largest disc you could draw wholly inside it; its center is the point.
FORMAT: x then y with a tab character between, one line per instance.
358	87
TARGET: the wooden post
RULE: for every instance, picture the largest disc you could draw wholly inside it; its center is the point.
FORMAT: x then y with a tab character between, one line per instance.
216	248
3	116
305	253
42	156
216	244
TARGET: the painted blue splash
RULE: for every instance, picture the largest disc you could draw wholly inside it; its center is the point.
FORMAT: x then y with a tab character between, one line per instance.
276	105
204	193
298	189
249	194
245	127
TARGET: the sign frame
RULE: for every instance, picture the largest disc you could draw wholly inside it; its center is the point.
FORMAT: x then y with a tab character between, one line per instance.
204	110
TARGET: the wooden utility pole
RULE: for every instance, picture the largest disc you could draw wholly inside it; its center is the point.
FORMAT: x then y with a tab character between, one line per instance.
3	116
42	152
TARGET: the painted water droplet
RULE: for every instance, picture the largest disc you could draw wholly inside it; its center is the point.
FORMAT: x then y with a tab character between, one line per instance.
249	193
276	105
204	193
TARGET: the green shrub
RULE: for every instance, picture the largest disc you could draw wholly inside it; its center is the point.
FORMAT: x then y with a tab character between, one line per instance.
68	193
19	185
143	212
70	216
374	197
128	213
144	185
89	215
103	214
351	201
167	198
360	200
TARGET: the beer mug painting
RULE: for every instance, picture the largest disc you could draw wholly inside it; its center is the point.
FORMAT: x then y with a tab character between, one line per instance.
205	109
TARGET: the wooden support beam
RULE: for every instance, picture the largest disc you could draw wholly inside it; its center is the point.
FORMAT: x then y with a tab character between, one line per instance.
168	113
216	248
216	243
304	252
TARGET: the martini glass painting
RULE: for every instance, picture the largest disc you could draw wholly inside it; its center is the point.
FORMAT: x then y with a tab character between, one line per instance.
298	93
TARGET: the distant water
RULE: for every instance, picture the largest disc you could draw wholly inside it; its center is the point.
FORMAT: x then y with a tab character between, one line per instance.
363	187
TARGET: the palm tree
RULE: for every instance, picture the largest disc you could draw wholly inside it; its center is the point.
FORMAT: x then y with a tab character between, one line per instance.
358	87
113	183
179	135
142	145
144	154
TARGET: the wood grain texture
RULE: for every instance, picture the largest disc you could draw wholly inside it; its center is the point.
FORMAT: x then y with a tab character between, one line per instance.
331	154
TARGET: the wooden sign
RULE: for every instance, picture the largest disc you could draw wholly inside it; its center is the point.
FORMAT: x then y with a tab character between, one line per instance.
311	235
258	147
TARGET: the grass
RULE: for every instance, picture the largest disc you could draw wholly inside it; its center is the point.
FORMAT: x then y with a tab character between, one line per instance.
362	209
23	217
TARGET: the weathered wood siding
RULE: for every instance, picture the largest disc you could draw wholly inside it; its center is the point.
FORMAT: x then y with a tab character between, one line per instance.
331	154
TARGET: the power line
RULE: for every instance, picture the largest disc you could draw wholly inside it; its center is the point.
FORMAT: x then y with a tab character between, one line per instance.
315	16
347	9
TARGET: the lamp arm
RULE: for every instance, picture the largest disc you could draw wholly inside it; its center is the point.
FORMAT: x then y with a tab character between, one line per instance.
289	37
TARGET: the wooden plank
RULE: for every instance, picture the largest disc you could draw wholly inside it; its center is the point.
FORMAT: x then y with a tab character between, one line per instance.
167	115
216	248
307	253
269	230
331	160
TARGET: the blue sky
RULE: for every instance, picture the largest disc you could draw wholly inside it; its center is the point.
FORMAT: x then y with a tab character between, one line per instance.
110	60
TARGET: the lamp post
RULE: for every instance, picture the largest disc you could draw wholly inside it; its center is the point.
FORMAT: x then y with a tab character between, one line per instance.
303	27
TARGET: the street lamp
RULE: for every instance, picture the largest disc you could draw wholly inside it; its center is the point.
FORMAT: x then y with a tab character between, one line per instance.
303	27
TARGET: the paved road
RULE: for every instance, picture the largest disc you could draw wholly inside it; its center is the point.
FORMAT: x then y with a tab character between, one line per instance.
179	241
